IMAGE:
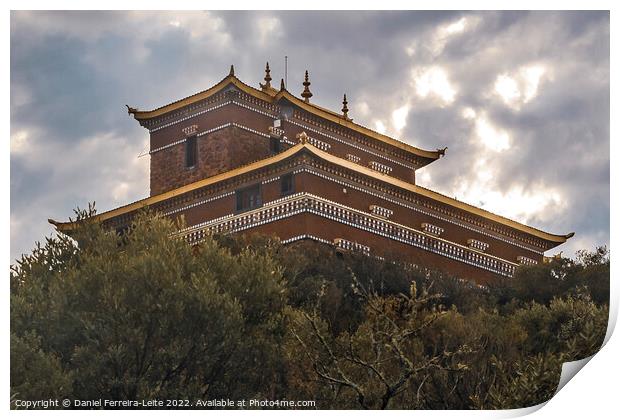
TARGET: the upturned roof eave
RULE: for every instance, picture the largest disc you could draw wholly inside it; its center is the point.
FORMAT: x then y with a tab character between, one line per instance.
553	238
271	96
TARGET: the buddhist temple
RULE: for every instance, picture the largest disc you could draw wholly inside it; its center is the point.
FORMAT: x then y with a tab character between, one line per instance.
239	159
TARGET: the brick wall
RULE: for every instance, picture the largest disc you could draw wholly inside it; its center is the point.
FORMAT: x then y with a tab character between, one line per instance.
218	152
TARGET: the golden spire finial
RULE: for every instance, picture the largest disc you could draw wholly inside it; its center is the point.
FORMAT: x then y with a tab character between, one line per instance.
345	109
267	85
282	86
303	137
267	76
306	94
232	70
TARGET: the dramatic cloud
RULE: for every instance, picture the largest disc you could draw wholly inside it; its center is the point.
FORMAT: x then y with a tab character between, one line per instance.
485	133
433	82
521	99
519	89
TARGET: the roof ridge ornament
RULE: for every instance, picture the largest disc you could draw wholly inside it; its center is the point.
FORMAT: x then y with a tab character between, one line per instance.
345	109
267	75
282	86
306	94
268	79
232	70
303	137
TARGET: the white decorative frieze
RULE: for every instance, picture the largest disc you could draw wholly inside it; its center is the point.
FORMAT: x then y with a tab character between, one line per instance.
526	260
319	144
451	217
380	211
432	229
345	245
276	131
476	244
353	158
308	203
355	145
380	167
192	129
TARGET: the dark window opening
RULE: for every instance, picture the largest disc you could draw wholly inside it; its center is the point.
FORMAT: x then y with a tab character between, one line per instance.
248	198
287	186
274	145
190	152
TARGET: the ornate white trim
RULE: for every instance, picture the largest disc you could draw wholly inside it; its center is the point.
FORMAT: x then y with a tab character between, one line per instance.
319	144
275	115
204	111
419	209
209	131
267	181
300	237
368	189
307	203
213	108
348	143
198	203
526	260
379	167
346	245
476	244
432	229
380	211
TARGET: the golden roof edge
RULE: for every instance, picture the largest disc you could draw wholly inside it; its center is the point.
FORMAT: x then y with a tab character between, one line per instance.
555	238
444	199
272	95
137	205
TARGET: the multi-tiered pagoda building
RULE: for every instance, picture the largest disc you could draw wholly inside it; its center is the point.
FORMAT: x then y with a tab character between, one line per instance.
234	158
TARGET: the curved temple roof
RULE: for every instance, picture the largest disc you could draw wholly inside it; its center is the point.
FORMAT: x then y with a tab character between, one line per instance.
272	95
557	239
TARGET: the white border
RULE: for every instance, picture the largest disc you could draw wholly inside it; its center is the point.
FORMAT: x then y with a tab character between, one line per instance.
592	395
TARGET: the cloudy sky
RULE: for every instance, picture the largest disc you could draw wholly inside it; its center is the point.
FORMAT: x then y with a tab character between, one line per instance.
520	99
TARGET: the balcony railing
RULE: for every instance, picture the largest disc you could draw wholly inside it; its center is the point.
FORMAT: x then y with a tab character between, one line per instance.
309	203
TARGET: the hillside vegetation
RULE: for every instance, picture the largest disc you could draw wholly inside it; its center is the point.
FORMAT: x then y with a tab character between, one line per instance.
141	316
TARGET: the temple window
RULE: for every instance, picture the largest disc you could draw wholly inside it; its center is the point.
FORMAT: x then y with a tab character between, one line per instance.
190	152
287	187
274	145
248	198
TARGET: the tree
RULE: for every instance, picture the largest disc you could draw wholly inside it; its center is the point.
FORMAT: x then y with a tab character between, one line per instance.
376	363
35	374
144	315
559	278
147	316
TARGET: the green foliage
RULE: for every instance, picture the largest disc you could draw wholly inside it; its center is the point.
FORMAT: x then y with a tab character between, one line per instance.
151	317
529	381
35	374
560	277
142	315
572	321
